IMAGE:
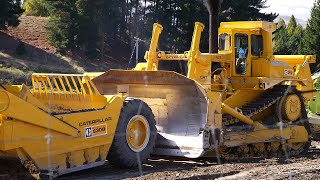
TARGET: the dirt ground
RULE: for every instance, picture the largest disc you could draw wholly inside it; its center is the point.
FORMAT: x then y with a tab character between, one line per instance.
305	166
32	31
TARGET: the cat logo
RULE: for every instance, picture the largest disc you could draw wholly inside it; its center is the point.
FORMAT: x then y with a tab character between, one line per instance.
95	131
88	132
288	72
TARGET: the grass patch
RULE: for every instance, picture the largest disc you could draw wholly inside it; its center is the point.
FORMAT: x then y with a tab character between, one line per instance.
14	76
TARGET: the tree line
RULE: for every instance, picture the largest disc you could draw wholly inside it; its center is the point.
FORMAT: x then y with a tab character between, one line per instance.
293	39
92	27
288	38
89	27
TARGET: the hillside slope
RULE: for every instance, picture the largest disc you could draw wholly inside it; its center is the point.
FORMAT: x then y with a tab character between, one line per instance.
40	56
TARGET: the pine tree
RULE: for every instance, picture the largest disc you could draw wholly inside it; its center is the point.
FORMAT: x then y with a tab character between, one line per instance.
295	40
292	25
86	26
178	18
311	37
281	45
295	33
63	26
244	10
10	11
88	13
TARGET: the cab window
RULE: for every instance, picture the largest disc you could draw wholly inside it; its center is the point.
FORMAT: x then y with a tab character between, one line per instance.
256	45
224	42
241	53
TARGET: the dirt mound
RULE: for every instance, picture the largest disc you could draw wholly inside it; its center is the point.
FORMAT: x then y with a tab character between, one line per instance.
38	55
32	31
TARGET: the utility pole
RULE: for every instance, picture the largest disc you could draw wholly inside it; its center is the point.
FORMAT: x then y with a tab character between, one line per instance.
137	48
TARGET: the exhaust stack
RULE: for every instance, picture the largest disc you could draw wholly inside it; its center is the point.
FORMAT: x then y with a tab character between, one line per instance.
213	7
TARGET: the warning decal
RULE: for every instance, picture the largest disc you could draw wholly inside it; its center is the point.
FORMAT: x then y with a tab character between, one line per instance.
95	131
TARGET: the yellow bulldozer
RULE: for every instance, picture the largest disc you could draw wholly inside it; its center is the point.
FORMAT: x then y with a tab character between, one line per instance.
237	101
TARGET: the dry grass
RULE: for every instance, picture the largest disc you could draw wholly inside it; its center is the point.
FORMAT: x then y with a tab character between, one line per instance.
14	76
17	70
41	57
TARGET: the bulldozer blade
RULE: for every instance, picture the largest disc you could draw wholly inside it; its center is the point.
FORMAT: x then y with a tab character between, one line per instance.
178	103
172	145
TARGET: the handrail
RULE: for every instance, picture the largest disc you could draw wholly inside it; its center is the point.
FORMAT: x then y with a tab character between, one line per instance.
223	78
63	84
218	69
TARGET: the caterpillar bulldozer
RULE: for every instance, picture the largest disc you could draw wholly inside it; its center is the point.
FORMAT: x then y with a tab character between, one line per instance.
237	101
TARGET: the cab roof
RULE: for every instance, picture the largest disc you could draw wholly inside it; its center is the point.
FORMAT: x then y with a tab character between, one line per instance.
267	26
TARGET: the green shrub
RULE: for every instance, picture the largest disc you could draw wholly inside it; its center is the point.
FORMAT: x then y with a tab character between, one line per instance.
36	8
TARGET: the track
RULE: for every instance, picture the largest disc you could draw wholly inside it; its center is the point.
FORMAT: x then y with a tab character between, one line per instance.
266	100
268	149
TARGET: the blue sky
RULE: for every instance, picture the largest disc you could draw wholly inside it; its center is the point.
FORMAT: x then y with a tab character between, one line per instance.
299	8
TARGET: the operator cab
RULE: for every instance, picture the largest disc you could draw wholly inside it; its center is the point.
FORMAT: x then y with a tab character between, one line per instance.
247	42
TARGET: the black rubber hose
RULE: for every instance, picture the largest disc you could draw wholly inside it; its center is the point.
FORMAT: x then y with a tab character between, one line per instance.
3	87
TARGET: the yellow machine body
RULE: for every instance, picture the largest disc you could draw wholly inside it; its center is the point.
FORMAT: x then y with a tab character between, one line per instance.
63	125
226	96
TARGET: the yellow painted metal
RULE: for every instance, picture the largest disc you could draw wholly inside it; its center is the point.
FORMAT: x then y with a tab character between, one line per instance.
296	59
138	133
214	120
199	27
198	68
151	55
37	125
291	134
267	42
14	89
302	71
262	66
242	97
236	114
92	75
141	67
228	91
292	107
11	110
265	71
4	101
60	84
28	97
267	26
